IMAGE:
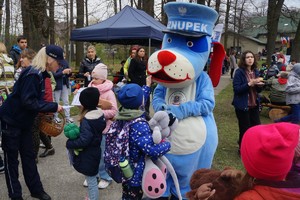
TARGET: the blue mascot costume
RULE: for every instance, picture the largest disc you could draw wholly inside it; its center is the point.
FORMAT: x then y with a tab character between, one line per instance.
185	90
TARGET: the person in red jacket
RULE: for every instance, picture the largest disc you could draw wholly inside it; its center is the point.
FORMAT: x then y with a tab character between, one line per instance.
36	133
269	154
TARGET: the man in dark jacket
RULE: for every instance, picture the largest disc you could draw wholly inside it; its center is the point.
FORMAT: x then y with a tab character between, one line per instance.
16	50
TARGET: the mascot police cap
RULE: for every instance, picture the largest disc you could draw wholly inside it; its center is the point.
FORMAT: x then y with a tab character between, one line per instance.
188	19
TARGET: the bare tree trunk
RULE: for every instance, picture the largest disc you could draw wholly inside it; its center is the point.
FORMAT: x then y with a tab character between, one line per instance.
25	16
1	14
164	18
234	23
7	22
86	13
240	23
201	2
274	11
163	14
138	4
218	3
120	3
51	22
26	19
226	25
148	7
115	6
208	3
296	45
79	24
35	22
68	33
71	28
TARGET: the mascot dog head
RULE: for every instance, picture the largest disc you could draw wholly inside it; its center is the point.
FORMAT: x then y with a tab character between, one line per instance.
186	45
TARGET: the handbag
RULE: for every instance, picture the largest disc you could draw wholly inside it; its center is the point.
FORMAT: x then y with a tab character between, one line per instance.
50	127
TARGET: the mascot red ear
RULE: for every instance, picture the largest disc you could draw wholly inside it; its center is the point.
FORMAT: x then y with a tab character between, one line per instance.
215	69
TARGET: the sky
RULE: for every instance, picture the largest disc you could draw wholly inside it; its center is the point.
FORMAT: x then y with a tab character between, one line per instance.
294	3
97	7
97	14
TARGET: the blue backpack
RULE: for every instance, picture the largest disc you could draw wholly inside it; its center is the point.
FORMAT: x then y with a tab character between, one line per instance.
117	146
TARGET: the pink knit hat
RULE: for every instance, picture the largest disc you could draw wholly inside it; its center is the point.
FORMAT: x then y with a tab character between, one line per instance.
267	151
100	71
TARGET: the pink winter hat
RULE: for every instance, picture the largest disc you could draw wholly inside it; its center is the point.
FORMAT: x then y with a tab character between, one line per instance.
100	71
267	151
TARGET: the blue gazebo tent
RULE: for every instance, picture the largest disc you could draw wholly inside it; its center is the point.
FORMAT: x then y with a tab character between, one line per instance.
129	26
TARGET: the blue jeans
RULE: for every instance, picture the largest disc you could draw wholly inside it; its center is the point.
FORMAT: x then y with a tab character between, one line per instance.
64	96
102	172
92	187
294	117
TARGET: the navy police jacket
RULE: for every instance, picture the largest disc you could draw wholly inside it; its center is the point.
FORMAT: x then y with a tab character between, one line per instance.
26	101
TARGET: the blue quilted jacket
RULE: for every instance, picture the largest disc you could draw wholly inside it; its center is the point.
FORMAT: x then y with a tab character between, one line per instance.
89	140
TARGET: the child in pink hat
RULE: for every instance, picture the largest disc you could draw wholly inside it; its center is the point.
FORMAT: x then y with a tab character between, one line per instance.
270	154
100	81
267	153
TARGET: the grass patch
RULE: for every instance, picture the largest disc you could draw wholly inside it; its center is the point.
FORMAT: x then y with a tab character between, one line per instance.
228	131
74	110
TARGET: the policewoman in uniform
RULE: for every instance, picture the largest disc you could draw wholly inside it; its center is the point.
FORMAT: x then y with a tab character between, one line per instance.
17	115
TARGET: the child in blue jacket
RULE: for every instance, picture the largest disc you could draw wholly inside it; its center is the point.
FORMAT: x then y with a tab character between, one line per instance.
92	124
131	98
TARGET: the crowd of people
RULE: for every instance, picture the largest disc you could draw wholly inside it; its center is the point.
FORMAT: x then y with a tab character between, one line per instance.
42	82
270	153
279	80
31	96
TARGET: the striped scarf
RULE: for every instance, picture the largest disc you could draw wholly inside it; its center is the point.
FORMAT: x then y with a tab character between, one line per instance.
252	91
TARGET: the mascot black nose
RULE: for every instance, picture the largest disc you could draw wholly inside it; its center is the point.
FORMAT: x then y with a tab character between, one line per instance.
165	58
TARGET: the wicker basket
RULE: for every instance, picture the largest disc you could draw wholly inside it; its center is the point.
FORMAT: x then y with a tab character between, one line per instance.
50	127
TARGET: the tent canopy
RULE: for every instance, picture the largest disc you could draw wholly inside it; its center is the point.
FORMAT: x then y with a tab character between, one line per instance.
129	26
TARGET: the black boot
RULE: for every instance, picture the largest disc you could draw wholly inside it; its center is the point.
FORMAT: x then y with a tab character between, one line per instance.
42	196
17	198
173	197
47	152
1	165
